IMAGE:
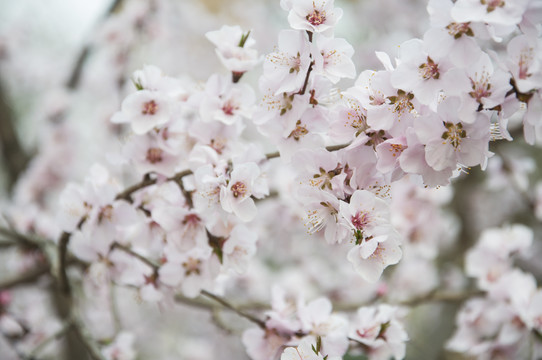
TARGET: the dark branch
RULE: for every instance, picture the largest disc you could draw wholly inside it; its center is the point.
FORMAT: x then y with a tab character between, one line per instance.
140	257
26	278
63	283
14	156
77	71
229	306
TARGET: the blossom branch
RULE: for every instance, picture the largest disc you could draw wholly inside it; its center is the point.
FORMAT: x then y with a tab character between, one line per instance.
127	193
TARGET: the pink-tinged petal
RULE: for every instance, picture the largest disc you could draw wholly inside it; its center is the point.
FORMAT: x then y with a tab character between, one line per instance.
171	274
440	155
150	293
246	210
367	248
368	270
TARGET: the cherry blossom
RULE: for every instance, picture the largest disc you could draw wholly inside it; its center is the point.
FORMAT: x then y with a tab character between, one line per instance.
234	48
314	15
376	242
426	74
285	69
144	110
380	329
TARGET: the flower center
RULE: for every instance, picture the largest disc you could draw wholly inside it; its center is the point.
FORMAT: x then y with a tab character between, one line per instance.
454	134
105	213
492	4
239	189
323	179
396	149
458	29
402	102
218	145
360	220
480	88
191	220
316	17
299	131
191	266
228	108
429	70
154	155
149	108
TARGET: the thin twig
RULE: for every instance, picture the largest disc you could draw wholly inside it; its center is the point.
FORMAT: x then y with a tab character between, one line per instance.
127	193
227	305
449	297
140	257
60	333
304	88
276	154
114	307
204	305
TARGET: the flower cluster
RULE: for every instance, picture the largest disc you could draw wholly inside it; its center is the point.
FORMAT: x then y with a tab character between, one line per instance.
312	332
364	169
501	323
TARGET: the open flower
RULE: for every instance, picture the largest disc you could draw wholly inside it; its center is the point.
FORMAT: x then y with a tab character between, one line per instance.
285	69
376	241
314	15
236	196
233	48
144	110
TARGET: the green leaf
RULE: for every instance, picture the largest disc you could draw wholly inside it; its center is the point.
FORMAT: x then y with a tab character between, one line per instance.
244	38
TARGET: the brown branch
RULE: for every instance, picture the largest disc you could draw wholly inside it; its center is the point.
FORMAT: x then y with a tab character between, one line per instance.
77	71
445	297
26	278
140	257
56	336
276	154
85	338
229	306
14	156
63	283
127	193
204	305
22	239
304	88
